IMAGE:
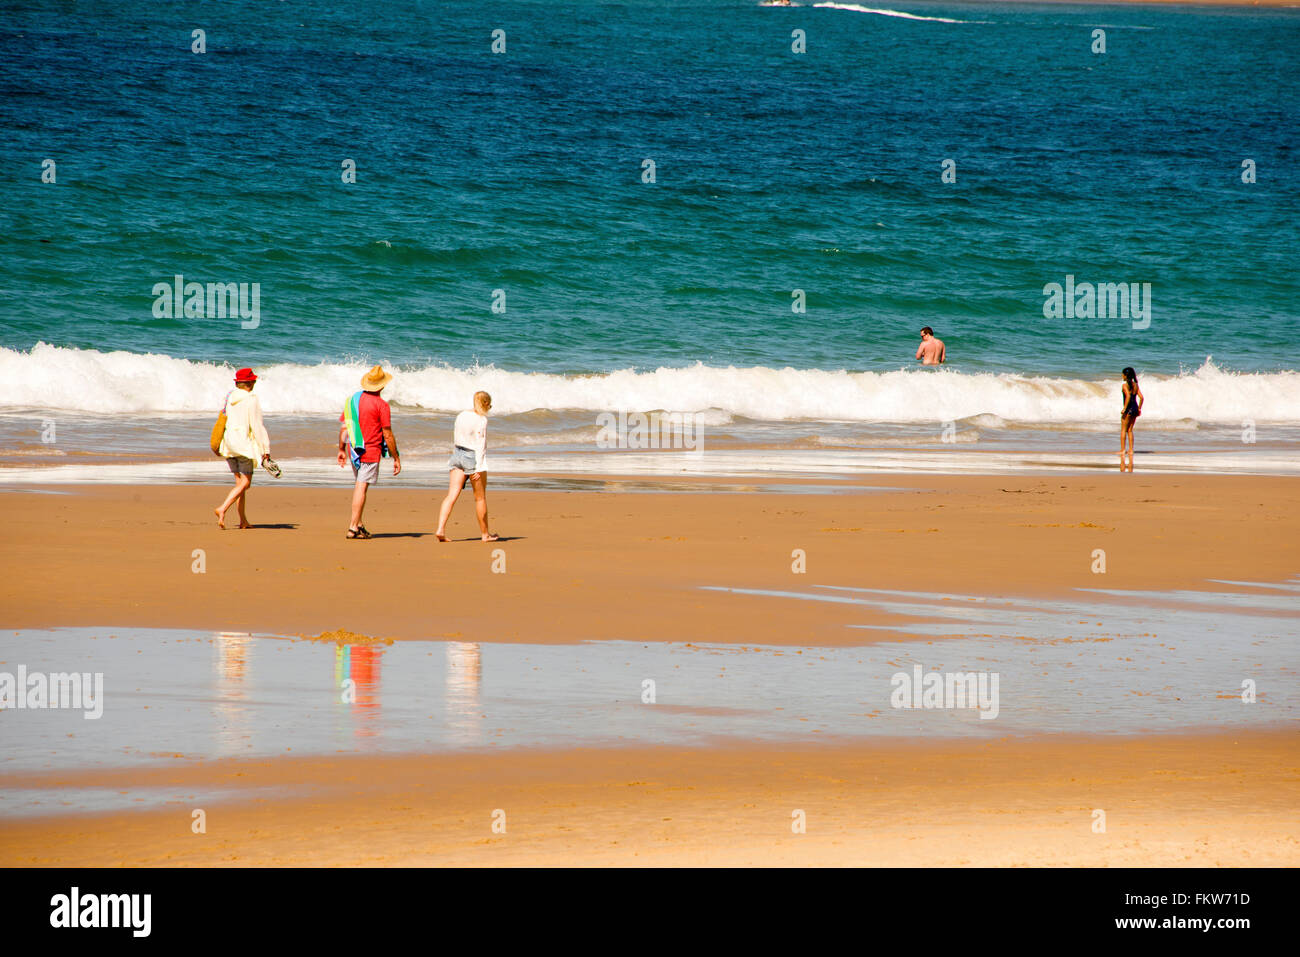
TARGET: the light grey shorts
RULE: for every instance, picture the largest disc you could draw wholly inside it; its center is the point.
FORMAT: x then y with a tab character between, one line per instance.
366	472
240	465
463	459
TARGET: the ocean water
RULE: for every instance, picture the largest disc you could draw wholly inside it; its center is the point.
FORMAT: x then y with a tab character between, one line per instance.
516	179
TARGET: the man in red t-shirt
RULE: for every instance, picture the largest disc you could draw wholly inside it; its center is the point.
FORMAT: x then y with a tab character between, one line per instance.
374	421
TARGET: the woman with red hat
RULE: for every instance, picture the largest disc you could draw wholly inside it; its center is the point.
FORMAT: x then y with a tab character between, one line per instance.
245	442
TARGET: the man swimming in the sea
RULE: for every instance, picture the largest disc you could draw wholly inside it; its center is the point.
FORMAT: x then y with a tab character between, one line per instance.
930	351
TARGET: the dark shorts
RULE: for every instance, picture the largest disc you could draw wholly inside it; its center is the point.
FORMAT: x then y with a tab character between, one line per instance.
240	465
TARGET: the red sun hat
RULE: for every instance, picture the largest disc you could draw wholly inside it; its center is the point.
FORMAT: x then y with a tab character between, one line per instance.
245	375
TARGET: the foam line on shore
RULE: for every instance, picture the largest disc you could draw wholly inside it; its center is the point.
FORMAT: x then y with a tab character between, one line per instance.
431	471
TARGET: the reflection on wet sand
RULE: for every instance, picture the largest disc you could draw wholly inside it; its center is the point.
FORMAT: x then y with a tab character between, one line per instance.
232	725
1116	662
356	675
464	679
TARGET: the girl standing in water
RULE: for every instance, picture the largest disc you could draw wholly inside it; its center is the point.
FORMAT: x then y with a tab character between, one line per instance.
469	459
1133	400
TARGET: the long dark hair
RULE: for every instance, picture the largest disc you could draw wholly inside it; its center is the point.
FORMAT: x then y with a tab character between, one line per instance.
1130	376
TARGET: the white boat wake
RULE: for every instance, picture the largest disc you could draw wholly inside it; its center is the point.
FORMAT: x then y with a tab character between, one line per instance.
890	13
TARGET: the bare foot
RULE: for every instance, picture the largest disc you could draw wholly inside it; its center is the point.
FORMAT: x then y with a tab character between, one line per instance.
440	536
221	517
490	537
245	524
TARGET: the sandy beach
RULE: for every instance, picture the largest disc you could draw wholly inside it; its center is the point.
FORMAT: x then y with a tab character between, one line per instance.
588	566
597	566
1168	801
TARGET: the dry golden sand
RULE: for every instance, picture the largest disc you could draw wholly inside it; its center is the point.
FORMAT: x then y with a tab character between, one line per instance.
599	566
587	566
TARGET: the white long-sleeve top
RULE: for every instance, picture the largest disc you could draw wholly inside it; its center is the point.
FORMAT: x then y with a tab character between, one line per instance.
245	433
471	433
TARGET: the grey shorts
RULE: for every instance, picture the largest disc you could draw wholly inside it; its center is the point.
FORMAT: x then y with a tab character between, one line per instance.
240	465
463	459
366	472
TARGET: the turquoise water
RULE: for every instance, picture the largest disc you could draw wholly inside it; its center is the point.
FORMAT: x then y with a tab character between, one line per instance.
775	171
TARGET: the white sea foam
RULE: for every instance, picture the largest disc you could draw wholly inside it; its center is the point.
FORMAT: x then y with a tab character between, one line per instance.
87	381
890	13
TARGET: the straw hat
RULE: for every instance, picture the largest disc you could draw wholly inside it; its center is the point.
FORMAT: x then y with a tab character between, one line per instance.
376	379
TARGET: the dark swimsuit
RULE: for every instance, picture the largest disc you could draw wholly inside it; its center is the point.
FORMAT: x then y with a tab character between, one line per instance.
1131	411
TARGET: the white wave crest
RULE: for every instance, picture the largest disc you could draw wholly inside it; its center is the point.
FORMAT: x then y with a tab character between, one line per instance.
889	13
87	381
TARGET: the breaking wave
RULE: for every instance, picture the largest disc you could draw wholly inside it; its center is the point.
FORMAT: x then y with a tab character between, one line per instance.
89	381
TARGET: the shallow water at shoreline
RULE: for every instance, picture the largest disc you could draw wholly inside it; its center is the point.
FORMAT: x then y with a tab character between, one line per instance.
155	459
42	447
605	471
1102	663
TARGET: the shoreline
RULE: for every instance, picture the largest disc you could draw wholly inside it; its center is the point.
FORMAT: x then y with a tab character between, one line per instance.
1168	801
765	463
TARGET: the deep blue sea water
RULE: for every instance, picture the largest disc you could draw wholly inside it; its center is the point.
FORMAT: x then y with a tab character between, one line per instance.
775	171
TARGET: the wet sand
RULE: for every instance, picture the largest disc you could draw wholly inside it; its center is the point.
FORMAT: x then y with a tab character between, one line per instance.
592	566
1168	801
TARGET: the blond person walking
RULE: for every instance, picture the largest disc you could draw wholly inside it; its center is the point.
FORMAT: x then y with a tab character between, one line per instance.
243	444
469	462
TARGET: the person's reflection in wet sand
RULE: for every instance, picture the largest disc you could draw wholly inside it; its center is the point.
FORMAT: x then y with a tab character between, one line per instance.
464	677
356	675
231	709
